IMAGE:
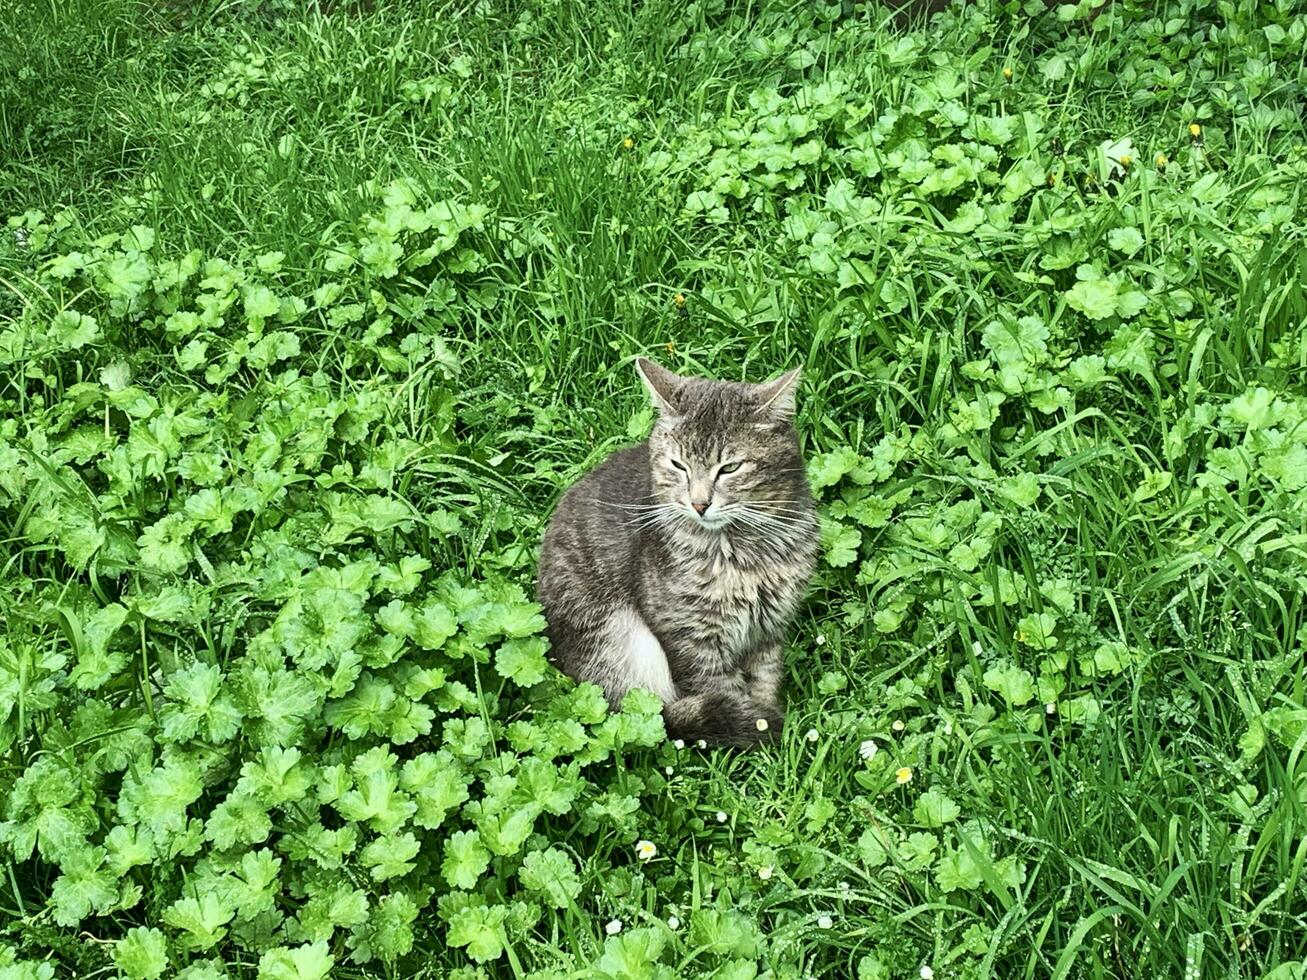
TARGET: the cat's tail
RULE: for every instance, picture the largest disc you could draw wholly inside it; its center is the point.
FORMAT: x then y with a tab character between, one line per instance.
722	718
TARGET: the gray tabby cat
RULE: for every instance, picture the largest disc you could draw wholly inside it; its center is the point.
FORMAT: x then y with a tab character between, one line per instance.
677	564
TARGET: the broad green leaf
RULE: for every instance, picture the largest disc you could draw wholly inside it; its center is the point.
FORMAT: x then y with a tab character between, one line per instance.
142	954
551	874
1036	630
1095	298
1016	686
934	809
466	859
632	955
522	660
840	543
203	918
480	929
312	961
1127	240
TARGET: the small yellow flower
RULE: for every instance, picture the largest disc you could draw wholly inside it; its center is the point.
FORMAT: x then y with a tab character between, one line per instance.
1195	131
670	347
1007	74
628	144
1052	179
1126	159
679	299
903	775
1161	161
646	850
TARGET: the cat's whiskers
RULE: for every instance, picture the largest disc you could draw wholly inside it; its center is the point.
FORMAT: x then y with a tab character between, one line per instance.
773	531
661	516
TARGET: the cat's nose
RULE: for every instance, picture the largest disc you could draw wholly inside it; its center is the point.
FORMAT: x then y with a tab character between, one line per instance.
700	506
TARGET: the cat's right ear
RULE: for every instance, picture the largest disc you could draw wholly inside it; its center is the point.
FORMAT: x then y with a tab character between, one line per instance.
662	385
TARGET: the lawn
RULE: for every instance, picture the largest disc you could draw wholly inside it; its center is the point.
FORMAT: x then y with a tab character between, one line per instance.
308	318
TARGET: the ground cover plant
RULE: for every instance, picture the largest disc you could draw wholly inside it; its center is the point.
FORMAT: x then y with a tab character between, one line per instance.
307	318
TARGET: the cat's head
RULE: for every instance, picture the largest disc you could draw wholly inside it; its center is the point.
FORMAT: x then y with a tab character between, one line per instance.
724	453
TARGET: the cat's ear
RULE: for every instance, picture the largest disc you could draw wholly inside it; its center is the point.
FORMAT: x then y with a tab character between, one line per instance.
662	385
776	397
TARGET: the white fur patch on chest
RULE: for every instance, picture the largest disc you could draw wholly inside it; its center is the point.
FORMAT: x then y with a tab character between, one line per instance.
639	654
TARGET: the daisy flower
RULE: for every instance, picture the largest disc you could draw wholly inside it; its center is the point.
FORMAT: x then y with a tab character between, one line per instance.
646	850
614	927
903	775
868	749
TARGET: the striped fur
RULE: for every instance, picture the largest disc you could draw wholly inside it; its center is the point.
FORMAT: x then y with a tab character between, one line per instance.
641	590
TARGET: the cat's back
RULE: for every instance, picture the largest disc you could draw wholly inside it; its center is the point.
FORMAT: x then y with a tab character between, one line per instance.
593	533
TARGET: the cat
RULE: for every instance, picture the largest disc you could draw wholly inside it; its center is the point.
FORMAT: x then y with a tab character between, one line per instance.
677	564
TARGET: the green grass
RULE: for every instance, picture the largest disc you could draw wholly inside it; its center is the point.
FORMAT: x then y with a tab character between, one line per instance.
1054	407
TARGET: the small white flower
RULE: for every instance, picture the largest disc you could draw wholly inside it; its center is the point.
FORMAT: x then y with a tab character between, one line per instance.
977	649
760	724
765	872
701	744
668	769
812	735
843	886
1050	708
673	922
821	640
824	922
679	744
898	725
868	749
927	973
614	927
721	816
645	850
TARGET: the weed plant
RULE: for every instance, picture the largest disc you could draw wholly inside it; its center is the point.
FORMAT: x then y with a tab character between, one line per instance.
308	314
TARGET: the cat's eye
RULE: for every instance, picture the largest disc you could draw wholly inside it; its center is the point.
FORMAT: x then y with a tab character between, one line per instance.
729	468
679	465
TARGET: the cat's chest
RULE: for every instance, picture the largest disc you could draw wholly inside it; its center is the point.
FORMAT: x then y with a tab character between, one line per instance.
728	604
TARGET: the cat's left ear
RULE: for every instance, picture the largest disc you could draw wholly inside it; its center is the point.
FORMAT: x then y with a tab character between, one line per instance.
776	397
